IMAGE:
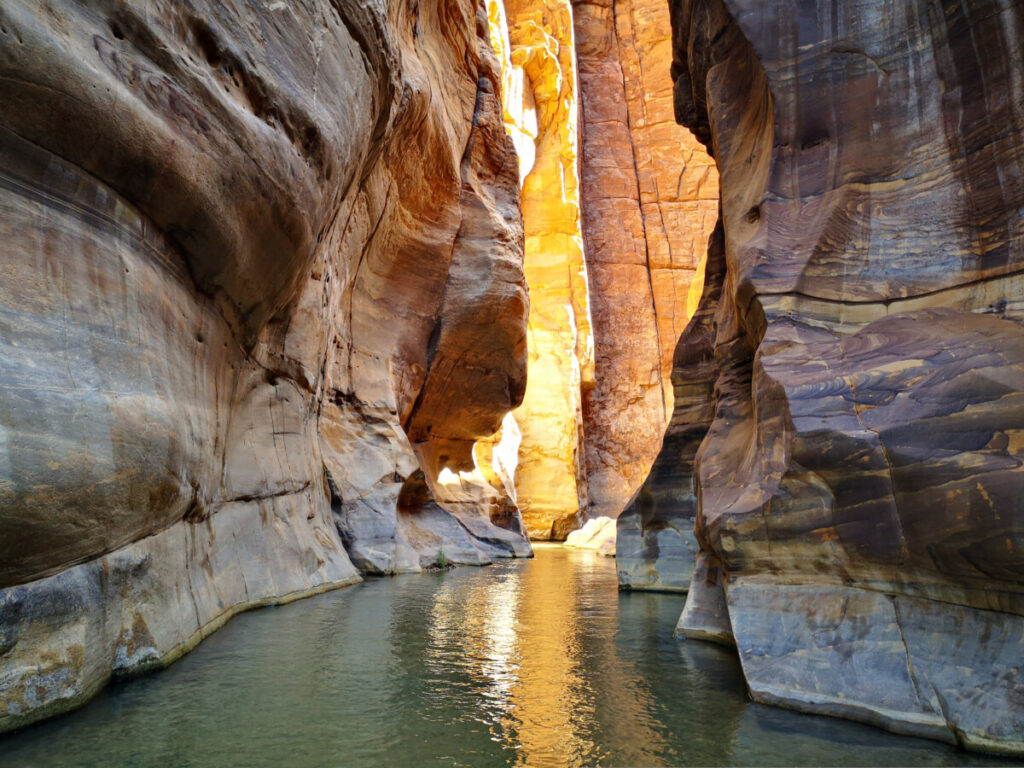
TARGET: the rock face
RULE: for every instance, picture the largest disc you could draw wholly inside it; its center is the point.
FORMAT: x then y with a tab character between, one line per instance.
646	221
861	535
535	40
651	200
615	237
656	545
262	312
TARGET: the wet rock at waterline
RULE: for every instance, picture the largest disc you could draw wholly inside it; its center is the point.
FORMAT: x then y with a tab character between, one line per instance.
857	491
261	282
597	534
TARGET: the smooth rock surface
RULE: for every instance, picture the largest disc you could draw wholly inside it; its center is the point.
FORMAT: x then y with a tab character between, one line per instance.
859	483
597	534
261	299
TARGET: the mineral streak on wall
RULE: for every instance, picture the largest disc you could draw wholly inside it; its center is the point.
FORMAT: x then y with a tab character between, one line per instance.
262	314
650	201
535	40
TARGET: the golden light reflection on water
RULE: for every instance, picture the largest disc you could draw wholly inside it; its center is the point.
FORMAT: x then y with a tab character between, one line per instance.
525	663
526	644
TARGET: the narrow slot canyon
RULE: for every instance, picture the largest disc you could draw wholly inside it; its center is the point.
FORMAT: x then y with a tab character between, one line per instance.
697	322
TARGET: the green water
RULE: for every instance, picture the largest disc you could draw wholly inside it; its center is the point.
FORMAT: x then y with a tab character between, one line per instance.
534	663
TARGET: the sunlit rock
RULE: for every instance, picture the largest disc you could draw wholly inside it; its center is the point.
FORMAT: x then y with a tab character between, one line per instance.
650	200
597	534
534	39
613	230
657	547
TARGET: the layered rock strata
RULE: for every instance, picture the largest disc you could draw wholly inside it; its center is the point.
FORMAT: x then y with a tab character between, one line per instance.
262	312
858	518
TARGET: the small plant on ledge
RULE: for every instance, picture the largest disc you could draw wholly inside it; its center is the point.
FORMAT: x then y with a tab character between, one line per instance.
441	562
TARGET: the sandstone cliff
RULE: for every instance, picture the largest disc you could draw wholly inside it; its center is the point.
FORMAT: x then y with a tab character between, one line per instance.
262	312
616	234
858	488
535	40
650	200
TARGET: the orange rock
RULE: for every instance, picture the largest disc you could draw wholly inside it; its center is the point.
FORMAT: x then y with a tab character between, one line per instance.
647	218
534	38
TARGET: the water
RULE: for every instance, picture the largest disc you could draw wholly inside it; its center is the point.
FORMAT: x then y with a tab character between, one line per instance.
532	663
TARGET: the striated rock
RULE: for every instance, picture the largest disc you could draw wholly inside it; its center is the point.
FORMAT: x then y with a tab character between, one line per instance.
535	41
597	533
261	295
857	487
646	222
657	548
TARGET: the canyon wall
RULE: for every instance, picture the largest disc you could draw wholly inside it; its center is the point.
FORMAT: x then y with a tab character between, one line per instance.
650	200
535	43
262	314
857	492
616	235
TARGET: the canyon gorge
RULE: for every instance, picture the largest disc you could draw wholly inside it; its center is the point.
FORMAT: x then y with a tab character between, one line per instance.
293	295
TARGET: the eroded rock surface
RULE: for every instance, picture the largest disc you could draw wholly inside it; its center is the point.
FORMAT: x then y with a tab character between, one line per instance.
535	41
262	308
650	200
859	521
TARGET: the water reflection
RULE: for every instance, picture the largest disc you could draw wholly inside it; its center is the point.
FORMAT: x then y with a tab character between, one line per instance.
535	663
548	680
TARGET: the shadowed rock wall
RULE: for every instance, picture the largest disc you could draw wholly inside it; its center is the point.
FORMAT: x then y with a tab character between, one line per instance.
861	536
261	297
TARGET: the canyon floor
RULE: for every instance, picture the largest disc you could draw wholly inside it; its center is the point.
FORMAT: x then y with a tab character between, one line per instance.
537	662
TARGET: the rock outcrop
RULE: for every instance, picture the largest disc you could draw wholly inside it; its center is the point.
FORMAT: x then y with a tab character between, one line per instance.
861	536
262	313
597	534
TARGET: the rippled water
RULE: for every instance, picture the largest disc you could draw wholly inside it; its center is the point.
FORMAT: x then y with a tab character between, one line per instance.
533	663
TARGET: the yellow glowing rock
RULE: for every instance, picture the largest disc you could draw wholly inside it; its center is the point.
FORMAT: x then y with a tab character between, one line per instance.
534	40
603	326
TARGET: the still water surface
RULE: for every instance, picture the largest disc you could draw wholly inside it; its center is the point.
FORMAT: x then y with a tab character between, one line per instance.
531	663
